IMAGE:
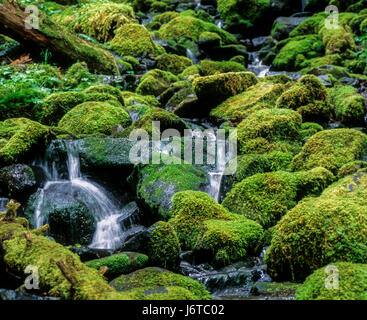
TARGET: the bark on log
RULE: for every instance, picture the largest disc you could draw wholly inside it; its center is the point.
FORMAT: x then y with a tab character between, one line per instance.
60	42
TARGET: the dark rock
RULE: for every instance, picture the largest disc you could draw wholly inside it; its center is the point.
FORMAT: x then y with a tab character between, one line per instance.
87	254
283	26
17	181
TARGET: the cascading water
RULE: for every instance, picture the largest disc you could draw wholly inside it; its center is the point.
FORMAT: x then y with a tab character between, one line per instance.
110	230
256	65
191	56
304	3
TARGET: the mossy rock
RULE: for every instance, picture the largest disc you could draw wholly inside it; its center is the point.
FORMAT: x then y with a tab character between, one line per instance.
105	89
210	68
157	184
213	90
338	41
94	118
275	289
191	28
331	149
78	76
156	282
190	73
236	108
266	197
134	40
321	230
155	82
118	264
350	284
132	98
349	105
352	168
20	137
163	247
173	63
268	126
205	226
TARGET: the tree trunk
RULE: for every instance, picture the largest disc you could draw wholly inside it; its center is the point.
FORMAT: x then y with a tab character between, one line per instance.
60	42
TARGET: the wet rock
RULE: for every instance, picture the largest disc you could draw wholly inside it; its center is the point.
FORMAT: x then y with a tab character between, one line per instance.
283	26
87	254
6	294
17	181
3	203
282	291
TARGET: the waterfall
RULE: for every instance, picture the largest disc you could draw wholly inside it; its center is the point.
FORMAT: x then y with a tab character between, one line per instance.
111	231
256	65
304	3
191	56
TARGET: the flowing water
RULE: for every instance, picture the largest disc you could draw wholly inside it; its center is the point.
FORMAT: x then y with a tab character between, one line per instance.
256	65
111	230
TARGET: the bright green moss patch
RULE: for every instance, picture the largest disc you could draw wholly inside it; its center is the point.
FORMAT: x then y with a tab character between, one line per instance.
351	283
321	230
106	89
158	281
155	82
352	168
331	149
173	63
238	107
94	118
78	77
210	68
119	264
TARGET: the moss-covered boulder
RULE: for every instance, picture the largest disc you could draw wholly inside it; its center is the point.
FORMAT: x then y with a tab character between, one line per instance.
106	90
134	40
118	264
19	137
212	90
72	224
155	82
351	168
259	96
349	105
210	68
205	226
309	97
321	230
331	149
158	183
348	281
266	130
173	63
94	118
160	284
78	77
266	197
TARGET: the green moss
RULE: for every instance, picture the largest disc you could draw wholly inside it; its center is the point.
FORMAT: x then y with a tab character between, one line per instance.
268	126
155	82
191	28
210	68
321	230
107	89
119	264
132	98
349	105
164	18
163	247
94	118
97	20
214	89
173	63
151	280
190	73
351	168
238	107
351	283
19	137
308	129
134	40
338	41
311	25
78	77
331	149
266	197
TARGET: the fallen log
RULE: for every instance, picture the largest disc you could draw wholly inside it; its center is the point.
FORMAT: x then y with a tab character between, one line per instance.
60	42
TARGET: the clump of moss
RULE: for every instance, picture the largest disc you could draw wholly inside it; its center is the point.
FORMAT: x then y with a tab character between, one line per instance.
308	129
190	73
163	247
118	264
309	97
331	149
106	89
212	90
266	197
94	118
19	137
338	41
349	105
262	130
155	282
173	63
210	68
204	225
351	168
350	283
78	77
155	82
236	108
134	40
321	230
191	28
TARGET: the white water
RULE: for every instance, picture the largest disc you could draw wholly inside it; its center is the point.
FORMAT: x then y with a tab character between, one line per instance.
109	233
256	65
304	2
191	56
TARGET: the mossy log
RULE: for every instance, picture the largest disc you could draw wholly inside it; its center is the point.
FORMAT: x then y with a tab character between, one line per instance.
59	41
